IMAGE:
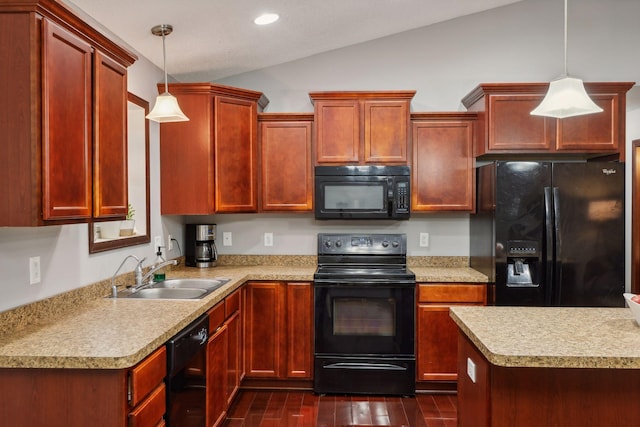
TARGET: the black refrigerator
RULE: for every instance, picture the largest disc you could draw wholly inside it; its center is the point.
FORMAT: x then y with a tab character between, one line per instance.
550	234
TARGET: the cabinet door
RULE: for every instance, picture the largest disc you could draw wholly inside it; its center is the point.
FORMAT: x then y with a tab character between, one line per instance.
234	353
236	152
593	132
287	174
437	344
66	125
443	174
264	329
386	131
110	190
217	377
186	159
437	348
299	330
511	127
337	131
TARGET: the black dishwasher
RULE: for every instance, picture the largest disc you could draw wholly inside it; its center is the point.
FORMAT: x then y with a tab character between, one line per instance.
186	375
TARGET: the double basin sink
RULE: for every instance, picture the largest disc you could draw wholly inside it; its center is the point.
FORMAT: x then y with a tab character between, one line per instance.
176	289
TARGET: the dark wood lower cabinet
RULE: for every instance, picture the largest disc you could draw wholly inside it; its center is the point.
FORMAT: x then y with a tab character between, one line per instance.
217	376
278	330
436	343
223	363
132	397
528	397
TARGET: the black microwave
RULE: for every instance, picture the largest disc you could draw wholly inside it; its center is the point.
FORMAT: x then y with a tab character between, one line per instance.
362	192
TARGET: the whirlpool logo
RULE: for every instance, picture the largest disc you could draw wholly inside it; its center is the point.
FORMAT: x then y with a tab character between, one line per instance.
608	171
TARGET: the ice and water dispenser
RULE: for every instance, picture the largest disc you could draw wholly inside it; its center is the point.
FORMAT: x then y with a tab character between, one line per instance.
523	258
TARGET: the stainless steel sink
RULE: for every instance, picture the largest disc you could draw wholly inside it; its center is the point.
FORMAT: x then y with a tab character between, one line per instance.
176	289
168	293
208	284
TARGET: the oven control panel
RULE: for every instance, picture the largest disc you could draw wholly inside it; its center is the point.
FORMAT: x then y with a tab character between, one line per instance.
379	244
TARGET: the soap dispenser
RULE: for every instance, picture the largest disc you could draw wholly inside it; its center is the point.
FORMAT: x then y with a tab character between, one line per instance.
159	275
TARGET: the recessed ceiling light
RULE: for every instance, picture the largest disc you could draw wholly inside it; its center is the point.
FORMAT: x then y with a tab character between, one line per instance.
266	18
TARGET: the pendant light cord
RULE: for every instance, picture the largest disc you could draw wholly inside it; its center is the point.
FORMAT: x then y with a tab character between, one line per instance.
164	59
566	72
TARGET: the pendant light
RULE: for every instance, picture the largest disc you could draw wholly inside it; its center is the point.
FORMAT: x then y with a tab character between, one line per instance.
566	96
166	108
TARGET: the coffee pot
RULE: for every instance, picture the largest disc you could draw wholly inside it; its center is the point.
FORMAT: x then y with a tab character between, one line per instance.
200	245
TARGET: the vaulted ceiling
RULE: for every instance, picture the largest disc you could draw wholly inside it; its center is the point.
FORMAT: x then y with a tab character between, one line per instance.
213	39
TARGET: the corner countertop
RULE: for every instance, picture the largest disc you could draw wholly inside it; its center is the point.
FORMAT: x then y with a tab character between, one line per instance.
106	333
553	337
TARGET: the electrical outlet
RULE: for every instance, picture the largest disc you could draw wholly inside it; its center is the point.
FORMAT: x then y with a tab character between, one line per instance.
34	270
471	369
424	240
227	239
157	242
268	239
169	242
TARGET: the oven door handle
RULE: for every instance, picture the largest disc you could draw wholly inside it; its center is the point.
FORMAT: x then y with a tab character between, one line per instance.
352	365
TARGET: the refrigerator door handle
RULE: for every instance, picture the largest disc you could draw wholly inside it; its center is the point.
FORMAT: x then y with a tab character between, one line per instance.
548	245
557	263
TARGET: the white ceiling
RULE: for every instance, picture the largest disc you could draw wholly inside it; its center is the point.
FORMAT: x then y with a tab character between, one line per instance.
213	39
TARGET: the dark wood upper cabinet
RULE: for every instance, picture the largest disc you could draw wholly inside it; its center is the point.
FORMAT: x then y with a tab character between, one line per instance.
362	127
286	178
66	124
209	164
509	128
442	173
110	177
62	112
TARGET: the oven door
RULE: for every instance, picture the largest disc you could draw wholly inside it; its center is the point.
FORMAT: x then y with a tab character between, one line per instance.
361	319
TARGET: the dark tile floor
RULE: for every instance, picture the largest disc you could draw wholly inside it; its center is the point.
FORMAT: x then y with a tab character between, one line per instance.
304	409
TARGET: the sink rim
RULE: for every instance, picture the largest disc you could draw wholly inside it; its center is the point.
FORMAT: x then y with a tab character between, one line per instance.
189	283
172	293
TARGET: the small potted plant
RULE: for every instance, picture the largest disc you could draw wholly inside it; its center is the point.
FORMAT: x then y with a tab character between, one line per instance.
127	226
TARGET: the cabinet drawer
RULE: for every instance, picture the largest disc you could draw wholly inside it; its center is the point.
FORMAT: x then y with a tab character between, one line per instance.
216	317
146	376
452	293
150	412
232	304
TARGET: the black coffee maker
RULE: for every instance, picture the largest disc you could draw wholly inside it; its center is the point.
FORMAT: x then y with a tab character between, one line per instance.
200	248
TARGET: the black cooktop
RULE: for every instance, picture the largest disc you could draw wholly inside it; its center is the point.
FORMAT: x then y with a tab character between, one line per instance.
379	258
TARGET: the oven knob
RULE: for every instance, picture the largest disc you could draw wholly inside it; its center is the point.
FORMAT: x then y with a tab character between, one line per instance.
339	244
328	243
385	244
395	244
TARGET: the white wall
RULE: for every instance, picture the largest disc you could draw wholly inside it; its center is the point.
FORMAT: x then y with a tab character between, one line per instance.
520	42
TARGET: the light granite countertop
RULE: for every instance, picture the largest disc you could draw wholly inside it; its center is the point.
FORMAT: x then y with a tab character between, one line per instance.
553	337
107	333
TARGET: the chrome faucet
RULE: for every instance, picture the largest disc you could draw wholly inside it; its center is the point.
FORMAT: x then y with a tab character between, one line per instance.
142	281
138	273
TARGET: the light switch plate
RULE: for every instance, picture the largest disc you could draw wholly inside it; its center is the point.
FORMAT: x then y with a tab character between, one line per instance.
268	239
424	240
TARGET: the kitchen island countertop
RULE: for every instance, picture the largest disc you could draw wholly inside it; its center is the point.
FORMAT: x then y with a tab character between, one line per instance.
552	337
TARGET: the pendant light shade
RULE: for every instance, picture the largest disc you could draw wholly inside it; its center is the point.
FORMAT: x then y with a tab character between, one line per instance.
566	96
166	108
